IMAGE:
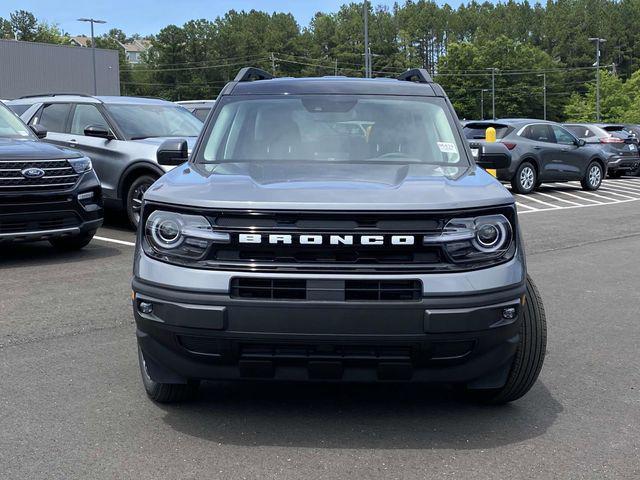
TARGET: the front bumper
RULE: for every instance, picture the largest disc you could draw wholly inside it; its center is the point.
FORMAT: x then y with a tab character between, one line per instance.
33	216
444	337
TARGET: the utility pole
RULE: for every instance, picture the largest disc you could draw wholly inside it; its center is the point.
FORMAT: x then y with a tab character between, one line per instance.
493	92
598	41
367	52
482	102
335	67
544	94
273	64
93	50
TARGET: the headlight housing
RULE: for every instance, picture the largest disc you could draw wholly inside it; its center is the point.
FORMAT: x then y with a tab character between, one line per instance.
177	235
476	239
80	165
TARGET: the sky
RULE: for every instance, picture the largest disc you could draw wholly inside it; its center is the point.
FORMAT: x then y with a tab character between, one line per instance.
149	16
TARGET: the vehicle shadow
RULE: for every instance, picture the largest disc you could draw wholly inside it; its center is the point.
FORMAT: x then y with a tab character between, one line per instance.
42	253
380	416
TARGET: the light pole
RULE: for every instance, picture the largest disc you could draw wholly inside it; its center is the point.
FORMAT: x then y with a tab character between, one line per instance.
493	92
367	52
482	102
544	94
598	41
93	50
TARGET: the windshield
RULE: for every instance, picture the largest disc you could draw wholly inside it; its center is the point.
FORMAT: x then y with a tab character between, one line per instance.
478	131
342	128
146	121
11	126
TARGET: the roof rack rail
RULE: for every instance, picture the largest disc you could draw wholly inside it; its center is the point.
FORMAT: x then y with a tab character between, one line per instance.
419	75
56	94
249	74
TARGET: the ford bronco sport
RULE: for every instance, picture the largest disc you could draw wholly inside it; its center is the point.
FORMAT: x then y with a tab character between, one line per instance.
334	229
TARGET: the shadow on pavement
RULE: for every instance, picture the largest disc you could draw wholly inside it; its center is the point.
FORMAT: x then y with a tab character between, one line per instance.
42	253
358	416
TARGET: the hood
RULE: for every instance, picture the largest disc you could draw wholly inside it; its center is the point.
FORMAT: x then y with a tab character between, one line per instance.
157	141
15	148
282	185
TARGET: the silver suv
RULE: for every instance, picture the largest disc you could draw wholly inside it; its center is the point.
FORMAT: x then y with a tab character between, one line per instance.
121	135
334	229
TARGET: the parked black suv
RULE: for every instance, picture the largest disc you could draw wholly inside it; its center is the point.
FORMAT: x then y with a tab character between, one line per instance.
334	229
46	192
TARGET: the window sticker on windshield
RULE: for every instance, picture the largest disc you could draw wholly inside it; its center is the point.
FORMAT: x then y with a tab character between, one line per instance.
23	133
447	147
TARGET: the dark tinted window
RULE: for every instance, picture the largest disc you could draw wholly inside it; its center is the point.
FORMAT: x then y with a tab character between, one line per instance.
85	115
201	113
54	117
562	136
581	131
538	132
19	109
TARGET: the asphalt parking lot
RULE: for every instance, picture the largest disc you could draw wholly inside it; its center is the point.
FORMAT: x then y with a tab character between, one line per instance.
72	405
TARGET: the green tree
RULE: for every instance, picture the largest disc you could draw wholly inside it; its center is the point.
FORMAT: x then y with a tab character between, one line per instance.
615	101
24	25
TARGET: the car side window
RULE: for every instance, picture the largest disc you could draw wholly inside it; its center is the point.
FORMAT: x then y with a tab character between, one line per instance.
85	115
54	116
539	133
562	136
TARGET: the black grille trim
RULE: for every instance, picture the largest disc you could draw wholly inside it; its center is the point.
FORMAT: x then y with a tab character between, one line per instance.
326	290
58	175
36	222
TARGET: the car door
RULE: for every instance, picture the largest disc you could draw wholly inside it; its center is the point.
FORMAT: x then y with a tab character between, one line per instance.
55	118
102	152
541	144
572	159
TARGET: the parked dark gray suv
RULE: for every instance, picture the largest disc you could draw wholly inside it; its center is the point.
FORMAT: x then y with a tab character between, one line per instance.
542	152
121	135
292	246
619	146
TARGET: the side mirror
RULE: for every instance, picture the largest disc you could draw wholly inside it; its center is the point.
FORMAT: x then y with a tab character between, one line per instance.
39	130
98	131
581	142
173	152
492	155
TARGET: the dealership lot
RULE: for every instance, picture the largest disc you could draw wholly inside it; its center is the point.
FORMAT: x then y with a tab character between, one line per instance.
73	406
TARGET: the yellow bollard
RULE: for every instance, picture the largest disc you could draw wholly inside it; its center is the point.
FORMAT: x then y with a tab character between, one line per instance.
490	136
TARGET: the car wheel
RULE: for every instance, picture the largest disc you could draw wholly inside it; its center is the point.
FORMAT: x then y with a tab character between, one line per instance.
166	392
134	197
76	242
525	179
529	356
615	174
592	177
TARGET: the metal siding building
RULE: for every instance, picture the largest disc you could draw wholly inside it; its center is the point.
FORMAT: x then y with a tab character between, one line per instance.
28	68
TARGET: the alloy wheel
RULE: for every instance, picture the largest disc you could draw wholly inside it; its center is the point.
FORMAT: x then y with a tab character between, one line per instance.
527	178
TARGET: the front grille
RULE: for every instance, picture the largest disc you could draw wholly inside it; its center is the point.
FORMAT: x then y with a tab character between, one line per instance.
36	222
326	290
58	175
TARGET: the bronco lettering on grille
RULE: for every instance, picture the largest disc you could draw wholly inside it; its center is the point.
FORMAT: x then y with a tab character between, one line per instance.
285	239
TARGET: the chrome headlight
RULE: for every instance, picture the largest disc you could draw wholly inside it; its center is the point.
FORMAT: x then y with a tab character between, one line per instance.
171	234
80	165
475	239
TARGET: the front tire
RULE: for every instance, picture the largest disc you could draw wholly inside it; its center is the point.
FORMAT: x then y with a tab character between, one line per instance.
134	197
529	356
592	177
77	242
525	179
166	392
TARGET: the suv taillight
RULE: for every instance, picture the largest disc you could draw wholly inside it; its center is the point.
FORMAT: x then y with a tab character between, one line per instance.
611	140
509	145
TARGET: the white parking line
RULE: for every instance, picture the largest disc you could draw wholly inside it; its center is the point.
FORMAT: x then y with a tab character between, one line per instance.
113	240
533	209
563	192
529	197
611	191
556	198
621	188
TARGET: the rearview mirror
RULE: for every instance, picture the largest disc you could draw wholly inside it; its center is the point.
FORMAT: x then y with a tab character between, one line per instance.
173	152
581	142
492	155
98	131
39	130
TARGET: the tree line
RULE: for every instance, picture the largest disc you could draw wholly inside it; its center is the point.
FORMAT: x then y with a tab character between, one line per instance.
513	48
